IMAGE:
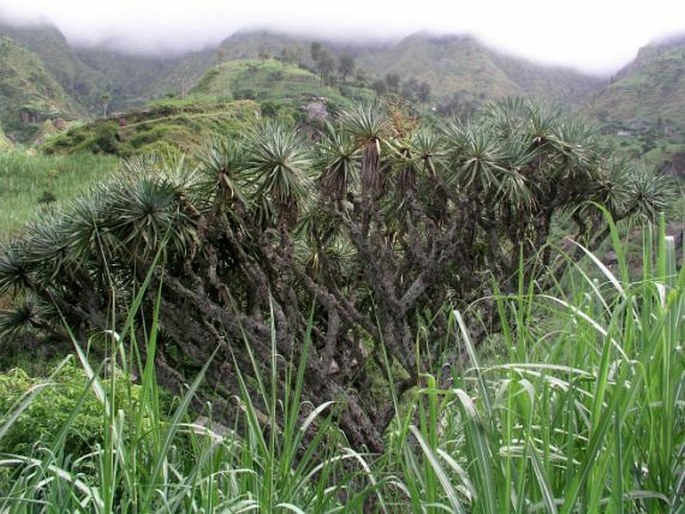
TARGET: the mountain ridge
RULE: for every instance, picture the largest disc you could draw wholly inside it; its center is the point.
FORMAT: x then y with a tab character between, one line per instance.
473	67
113	71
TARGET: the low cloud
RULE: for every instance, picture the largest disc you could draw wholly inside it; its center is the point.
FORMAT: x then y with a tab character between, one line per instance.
589	35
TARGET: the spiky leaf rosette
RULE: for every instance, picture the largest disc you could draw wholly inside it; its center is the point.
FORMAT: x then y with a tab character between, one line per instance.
278	169
337	157
368	125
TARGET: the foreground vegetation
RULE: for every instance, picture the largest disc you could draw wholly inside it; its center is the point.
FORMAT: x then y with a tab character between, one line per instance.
372	226
582	410
328	298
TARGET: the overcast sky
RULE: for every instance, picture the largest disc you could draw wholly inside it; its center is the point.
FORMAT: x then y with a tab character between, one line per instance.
591	35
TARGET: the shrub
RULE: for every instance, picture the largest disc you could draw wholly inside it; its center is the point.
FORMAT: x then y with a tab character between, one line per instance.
47	197
69	392
269	108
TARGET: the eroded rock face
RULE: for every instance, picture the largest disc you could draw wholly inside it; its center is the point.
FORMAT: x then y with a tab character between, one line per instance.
676	165
677	230
60	124
316	110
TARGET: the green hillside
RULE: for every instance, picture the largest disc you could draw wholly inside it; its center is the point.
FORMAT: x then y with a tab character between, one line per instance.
270	80
165	126
239	46
32	181
28	94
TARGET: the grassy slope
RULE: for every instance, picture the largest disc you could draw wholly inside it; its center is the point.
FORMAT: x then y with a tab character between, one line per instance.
26	176
25	86
262	80
161	127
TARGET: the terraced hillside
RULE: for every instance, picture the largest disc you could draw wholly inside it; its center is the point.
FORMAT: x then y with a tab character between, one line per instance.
271	80
227	99
246	45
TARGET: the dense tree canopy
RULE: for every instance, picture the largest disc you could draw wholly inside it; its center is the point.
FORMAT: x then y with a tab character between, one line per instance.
359	235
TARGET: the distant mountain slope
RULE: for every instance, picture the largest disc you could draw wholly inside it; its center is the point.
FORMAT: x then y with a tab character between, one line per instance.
643	106
450	65
462	65
79	80
650	90
28	94
89	73
551	82
250	44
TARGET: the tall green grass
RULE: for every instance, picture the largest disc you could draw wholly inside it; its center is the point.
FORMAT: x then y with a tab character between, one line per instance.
583	411
586	413
154	461
26	176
